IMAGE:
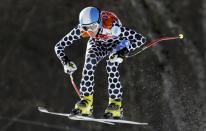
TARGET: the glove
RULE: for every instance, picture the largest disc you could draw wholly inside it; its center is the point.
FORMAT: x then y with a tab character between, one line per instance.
69	66
115	58
118	56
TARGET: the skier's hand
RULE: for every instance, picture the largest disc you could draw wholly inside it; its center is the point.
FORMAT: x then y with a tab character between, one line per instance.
115	58
69	66
118	55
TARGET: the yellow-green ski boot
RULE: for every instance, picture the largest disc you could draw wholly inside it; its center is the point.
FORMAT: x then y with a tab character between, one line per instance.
84	107
114	109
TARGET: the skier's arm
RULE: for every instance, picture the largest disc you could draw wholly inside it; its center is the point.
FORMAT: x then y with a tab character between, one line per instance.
67	40
136	39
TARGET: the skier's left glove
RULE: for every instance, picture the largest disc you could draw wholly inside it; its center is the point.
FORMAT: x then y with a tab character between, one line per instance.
69	66
118	56
115	58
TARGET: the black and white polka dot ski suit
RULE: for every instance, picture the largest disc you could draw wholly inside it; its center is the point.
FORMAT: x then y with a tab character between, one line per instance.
97	49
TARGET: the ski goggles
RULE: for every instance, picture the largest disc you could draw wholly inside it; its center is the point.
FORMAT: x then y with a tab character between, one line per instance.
90	27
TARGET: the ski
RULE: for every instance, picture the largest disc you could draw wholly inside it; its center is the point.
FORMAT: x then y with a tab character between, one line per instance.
84	118
74	117
122	121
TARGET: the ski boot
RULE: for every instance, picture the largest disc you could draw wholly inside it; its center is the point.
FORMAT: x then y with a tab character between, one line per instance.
84	107
114	109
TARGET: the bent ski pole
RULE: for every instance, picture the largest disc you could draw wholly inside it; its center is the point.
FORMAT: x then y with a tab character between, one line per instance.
153	43
74	85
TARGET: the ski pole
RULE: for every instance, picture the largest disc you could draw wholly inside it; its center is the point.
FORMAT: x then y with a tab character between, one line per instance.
74	85
153	43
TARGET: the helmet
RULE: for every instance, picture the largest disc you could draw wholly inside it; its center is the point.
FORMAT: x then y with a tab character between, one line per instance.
89	15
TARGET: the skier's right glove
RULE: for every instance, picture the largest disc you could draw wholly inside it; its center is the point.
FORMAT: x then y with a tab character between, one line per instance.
69	66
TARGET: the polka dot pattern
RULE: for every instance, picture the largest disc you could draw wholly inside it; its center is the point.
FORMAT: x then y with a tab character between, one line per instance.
93	56
136	39
97	50
66	41
114	85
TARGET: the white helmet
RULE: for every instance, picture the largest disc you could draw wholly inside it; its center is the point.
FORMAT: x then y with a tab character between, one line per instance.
89	15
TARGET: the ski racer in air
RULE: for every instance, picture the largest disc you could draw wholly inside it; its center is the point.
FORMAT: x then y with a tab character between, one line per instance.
108	39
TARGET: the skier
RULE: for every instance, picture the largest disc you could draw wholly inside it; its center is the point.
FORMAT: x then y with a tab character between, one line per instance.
107	37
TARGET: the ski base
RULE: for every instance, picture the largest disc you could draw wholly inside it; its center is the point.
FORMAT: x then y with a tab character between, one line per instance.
85	118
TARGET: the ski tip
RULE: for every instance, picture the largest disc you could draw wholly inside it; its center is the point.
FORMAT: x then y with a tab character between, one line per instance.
181	36
41	109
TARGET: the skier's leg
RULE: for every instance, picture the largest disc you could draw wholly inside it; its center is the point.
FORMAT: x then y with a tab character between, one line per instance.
94	54
114	108
114	85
